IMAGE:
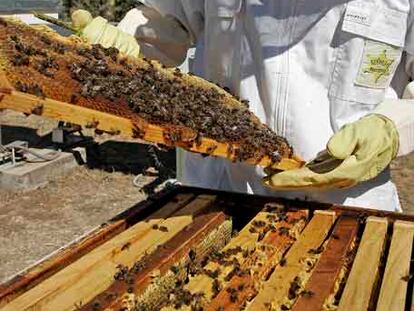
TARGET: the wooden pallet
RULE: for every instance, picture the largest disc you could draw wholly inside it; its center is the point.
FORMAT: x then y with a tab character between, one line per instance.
286	256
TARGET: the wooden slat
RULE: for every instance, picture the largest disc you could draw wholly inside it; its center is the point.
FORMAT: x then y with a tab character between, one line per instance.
5	87
93	273
61	111
174	251
33	276
246	240
394	285
266	257
275	290
364	273
323	279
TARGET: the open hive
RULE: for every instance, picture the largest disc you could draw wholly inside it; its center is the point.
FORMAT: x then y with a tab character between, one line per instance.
43	73
193	249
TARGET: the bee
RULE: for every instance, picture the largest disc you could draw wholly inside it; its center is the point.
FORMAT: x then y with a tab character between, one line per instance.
211	149
174	269
284	231
126	246
110	296
245	102
407	278
74	98
307	293
192	255
96	306
20	60
259	223
210	273
163	229
316	251
37	109
216	287
233	294
294	288
177	73
261	236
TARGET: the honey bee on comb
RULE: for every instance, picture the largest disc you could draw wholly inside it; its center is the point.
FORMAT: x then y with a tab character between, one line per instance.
187	108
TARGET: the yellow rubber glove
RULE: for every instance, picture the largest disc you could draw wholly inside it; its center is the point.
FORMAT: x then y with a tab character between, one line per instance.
99	31
358	152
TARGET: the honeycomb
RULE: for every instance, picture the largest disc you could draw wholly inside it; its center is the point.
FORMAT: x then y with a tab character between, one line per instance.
42	63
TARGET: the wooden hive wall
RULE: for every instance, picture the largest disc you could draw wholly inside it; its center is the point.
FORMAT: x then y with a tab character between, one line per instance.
286	256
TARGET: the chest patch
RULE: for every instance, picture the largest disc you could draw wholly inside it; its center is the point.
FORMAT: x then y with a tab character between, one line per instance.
378	65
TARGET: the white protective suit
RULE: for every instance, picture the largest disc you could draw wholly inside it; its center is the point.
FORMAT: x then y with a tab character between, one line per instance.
302	66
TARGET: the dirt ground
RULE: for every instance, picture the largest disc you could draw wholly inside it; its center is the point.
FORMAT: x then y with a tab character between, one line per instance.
36	223
403	175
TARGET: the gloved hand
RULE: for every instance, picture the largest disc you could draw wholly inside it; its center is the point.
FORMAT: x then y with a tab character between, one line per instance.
99	31
359	152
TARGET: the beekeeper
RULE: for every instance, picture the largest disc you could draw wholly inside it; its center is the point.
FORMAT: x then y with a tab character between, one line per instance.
325	74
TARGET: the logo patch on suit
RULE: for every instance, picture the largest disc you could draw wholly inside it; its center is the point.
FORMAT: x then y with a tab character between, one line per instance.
379	62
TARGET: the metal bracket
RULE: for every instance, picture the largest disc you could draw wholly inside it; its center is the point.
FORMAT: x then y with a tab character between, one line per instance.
63	138
13	153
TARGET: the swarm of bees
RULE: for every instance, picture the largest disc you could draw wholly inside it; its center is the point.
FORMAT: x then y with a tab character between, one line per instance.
94	75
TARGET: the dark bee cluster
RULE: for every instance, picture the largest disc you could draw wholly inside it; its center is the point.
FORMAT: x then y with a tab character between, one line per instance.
180	297
38	58
34	89
158	95
167	100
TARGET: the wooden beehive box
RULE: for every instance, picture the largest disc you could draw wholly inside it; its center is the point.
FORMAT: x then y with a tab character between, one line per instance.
192	249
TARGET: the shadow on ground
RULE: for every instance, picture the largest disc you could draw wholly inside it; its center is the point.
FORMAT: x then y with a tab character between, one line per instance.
112	156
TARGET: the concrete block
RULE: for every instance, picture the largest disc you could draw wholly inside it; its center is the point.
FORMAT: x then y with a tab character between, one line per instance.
31	175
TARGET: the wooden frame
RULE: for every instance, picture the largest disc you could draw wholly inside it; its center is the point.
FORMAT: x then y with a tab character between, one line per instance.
269	255
208	227
78	248
30	104
394	285
383	254
276	289
72	285
357	295
327	271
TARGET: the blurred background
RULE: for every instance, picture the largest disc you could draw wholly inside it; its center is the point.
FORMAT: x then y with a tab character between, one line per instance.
112	10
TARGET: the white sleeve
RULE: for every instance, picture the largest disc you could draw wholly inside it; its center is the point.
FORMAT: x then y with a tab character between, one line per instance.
190	13
401	112
165	30
409	42
161	38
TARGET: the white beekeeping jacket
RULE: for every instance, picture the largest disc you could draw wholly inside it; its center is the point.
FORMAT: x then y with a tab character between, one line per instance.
307	68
